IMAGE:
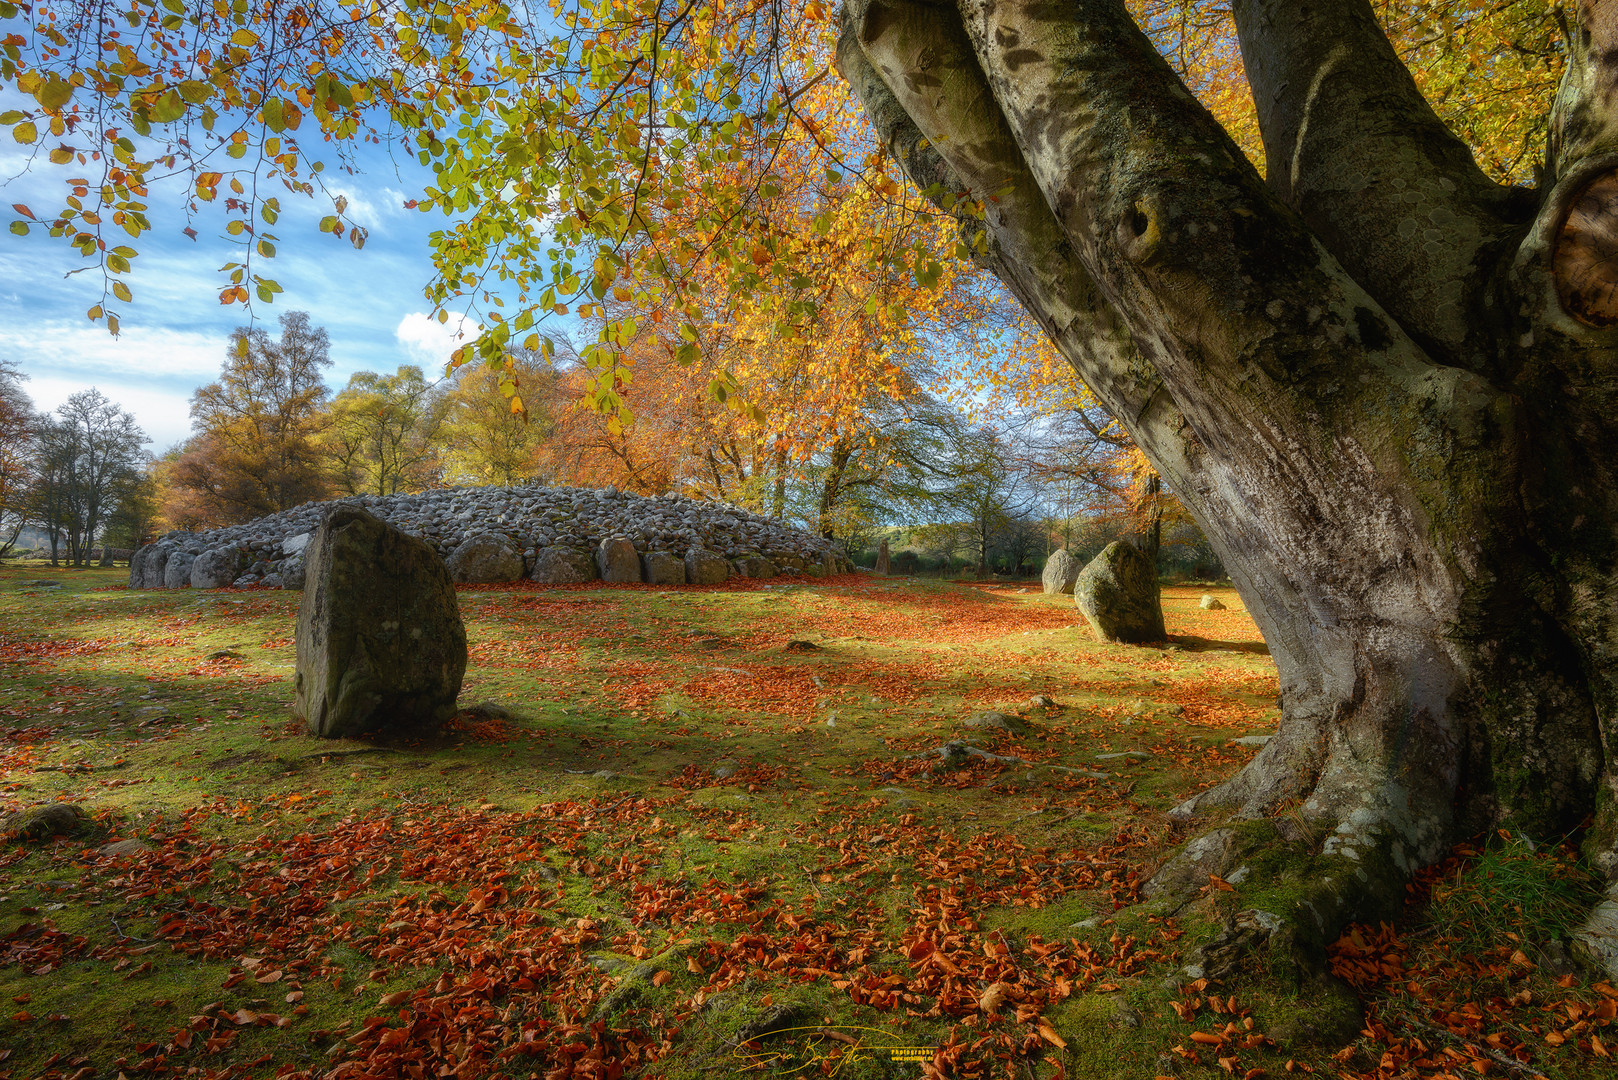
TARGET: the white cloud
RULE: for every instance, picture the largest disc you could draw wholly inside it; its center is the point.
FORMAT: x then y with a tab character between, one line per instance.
371	208
86	350
430	342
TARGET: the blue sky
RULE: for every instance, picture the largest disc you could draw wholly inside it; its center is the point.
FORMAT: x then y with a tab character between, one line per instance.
173	336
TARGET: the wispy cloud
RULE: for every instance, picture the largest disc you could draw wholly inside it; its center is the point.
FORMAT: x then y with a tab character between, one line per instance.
429	342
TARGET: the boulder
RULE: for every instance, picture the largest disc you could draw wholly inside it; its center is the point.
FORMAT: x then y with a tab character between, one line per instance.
703	567
380	641
1061	571
562	566
662	568
147	566
617	560
755	566
43	822
483	558
1210	603
177	571
215	569
1118	595
291	573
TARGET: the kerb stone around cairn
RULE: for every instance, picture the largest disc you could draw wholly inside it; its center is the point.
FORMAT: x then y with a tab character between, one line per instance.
485	558
617	560
563	566
703	567
1061	571
662	568
1118	595
381	645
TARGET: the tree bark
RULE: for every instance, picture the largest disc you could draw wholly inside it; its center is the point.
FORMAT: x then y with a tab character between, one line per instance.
1383	386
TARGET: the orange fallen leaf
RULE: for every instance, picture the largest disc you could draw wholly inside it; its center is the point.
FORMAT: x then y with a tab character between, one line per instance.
661	978
398	997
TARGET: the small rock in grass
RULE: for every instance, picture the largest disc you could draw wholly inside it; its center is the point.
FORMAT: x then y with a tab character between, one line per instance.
1253	740
122	848
1041	701
999	721
1210	603
43	822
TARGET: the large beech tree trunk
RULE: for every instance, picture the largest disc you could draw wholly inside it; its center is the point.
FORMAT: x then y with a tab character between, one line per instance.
1383	384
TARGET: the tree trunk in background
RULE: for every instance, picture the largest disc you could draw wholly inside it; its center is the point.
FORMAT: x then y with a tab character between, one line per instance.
1386	387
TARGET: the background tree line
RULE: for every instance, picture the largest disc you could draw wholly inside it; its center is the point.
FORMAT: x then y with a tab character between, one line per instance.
970	493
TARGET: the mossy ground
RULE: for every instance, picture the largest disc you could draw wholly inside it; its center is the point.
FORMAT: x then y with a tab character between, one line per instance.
703	813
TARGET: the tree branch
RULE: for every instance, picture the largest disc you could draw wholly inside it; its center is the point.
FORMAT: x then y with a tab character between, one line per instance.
1353	146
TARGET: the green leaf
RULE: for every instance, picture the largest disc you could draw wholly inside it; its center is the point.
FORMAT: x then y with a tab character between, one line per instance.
274	110
196	91
19	228
121	291
169	107
54	92
25	132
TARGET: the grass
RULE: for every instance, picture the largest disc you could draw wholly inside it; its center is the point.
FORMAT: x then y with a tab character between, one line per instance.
694	831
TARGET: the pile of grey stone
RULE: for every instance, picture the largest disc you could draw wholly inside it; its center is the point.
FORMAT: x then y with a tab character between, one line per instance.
492	534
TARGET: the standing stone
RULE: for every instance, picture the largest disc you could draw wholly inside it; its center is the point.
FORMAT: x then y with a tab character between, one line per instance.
563	566
662	568
153	561
1061	571
882	557
380	639
177	571
618	560
215	569
483	558
703	567
1118	595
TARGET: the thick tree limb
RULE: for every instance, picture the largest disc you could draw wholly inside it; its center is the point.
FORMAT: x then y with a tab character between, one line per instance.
1392	193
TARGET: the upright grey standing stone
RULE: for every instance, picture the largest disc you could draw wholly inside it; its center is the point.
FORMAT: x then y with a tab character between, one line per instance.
152	566
882	557
557	565
215	569
380	641
1061	571
1118	594
618	560
662	568
703	567
177	571
484	558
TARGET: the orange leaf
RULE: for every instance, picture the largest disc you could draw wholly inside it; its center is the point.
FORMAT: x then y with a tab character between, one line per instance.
661	977
398	997
1050	1036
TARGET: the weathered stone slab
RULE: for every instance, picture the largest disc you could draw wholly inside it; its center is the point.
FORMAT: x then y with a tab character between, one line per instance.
381	645
1118	595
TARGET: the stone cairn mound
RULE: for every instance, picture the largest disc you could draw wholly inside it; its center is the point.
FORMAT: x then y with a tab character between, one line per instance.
488	534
